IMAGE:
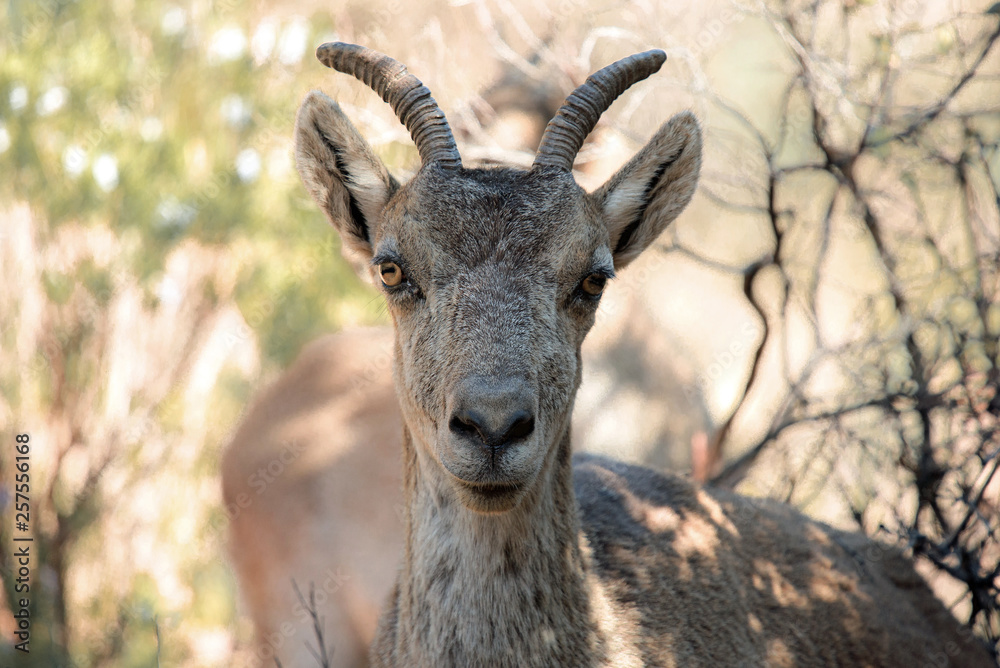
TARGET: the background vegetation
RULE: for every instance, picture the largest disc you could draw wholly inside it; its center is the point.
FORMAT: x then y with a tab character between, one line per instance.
156	246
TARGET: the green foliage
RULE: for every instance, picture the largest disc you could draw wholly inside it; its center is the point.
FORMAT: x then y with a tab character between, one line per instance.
215	595
139	119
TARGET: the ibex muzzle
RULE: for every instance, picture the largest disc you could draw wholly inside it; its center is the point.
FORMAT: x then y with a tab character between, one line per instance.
492	452
493	412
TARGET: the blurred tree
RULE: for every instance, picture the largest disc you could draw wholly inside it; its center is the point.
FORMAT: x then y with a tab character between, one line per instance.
154	236
880	183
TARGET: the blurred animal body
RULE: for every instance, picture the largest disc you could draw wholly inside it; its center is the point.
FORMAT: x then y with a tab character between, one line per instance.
515	552
311	481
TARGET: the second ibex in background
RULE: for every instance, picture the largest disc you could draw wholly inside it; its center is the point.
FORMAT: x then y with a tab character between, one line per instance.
516	553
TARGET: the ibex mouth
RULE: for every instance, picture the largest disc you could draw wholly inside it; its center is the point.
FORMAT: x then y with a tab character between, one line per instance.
493	491
490	498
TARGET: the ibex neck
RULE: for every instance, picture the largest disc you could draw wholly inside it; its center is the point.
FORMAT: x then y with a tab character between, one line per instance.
499	590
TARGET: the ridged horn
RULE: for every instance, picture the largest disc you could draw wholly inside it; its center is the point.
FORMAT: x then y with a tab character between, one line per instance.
409	98
565	133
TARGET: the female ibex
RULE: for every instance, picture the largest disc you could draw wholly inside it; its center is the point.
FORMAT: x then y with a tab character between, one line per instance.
517	554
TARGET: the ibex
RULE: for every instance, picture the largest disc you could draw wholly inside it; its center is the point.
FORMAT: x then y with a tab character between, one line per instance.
311	483
517	553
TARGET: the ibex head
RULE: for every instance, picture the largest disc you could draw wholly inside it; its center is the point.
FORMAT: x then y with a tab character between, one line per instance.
491	276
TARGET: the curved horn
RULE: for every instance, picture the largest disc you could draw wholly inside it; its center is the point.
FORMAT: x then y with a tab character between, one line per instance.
409	99
565	133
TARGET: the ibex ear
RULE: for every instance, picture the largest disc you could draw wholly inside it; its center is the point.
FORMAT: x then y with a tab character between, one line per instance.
652	188
340	171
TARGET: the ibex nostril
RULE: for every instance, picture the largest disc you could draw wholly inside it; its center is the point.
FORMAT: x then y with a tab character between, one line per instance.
521	426
469	423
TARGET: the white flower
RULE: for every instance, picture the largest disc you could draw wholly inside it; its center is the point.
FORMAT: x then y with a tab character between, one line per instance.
227	44
279	163
74	160
248	165
235	111
168	292
18	97
151	128
171	213
264	38
174	20
52	100
105	172
292	46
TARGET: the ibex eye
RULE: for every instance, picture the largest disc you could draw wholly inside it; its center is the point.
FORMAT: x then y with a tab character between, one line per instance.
594	284
391	274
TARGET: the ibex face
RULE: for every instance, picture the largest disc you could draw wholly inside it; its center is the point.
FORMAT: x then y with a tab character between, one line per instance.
492	277
497	275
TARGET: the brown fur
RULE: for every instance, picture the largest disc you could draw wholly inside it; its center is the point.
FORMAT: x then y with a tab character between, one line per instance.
513	556
321	439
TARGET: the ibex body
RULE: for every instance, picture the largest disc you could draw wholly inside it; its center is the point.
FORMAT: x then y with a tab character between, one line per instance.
311	483
515	555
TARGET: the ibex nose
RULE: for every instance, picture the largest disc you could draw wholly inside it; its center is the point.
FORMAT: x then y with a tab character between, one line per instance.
493	412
